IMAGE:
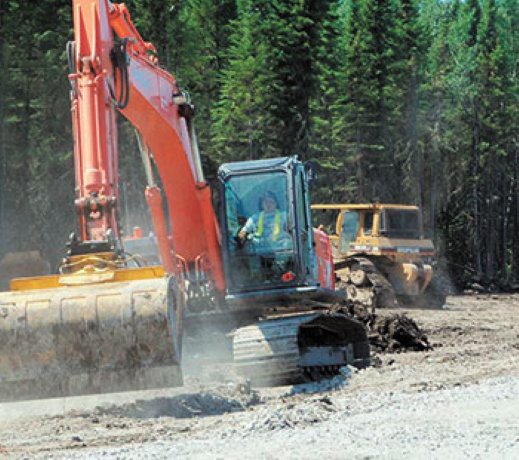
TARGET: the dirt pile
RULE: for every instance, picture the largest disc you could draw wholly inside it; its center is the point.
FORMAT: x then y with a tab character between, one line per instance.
390	333
231	397
396	333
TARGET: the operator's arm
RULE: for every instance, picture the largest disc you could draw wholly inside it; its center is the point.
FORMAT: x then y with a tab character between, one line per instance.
249	227
251	224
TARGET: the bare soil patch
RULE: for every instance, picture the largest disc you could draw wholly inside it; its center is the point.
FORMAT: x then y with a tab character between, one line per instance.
473	340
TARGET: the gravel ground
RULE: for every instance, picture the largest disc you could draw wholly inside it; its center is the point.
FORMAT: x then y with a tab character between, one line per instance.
459	400
479	421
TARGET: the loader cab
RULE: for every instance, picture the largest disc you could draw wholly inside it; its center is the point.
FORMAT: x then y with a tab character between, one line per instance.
404	223
267	237
358	222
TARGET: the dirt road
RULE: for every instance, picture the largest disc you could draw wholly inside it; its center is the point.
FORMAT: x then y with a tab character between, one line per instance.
459	400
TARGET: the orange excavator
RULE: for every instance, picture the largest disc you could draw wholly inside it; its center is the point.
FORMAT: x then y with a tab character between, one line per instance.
110	322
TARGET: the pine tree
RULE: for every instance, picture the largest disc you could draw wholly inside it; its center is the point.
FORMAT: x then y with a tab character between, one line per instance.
408	75
201	41
3	85
492	104
157	22
334	181
470	89
292	29
371	98
37	139
242	126
457	141
439	137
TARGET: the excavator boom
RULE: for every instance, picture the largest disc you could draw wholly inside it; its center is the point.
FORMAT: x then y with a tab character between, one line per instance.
124	74
98	325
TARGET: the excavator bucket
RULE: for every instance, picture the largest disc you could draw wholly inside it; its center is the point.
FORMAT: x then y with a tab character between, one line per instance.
95	338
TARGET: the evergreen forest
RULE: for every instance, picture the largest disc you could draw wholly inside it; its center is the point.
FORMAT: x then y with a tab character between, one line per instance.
400	101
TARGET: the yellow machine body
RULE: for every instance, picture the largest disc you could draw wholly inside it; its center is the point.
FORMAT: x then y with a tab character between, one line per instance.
381	246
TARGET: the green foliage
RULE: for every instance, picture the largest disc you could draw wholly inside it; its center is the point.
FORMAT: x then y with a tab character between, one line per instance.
202	40
397	100
335	182
371	99
35	147
243	128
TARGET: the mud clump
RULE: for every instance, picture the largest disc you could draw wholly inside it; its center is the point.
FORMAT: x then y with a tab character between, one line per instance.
396	333
215	401
393	333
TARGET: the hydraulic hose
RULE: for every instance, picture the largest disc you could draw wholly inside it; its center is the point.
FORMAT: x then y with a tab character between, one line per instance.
120	62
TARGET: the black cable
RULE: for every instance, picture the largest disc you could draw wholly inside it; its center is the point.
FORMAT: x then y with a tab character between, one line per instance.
120	62
71	60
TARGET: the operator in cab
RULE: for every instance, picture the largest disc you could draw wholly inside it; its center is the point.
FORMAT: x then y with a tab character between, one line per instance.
268	227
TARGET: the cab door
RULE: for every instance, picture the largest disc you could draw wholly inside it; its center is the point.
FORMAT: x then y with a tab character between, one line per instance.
303	225
349	230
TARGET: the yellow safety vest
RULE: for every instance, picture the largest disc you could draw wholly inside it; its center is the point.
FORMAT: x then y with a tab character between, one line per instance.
277	225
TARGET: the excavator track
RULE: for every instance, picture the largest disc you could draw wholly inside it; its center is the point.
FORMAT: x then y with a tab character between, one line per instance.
364	284
300	348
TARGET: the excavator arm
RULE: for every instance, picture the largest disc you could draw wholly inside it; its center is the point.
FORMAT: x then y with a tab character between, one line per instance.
101	325
115	70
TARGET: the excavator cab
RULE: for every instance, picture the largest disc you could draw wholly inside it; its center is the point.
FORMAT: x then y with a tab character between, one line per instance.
279	270
265	221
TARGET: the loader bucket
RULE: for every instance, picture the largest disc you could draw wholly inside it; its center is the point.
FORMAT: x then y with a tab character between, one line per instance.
97	338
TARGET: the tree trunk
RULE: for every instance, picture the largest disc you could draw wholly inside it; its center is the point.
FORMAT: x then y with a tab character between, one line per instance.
476	243
2	118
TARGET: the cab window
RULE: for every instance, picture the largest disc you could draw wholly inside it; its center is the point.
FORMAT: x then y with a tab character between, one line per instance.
349	229
402	223
368	223
257	207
